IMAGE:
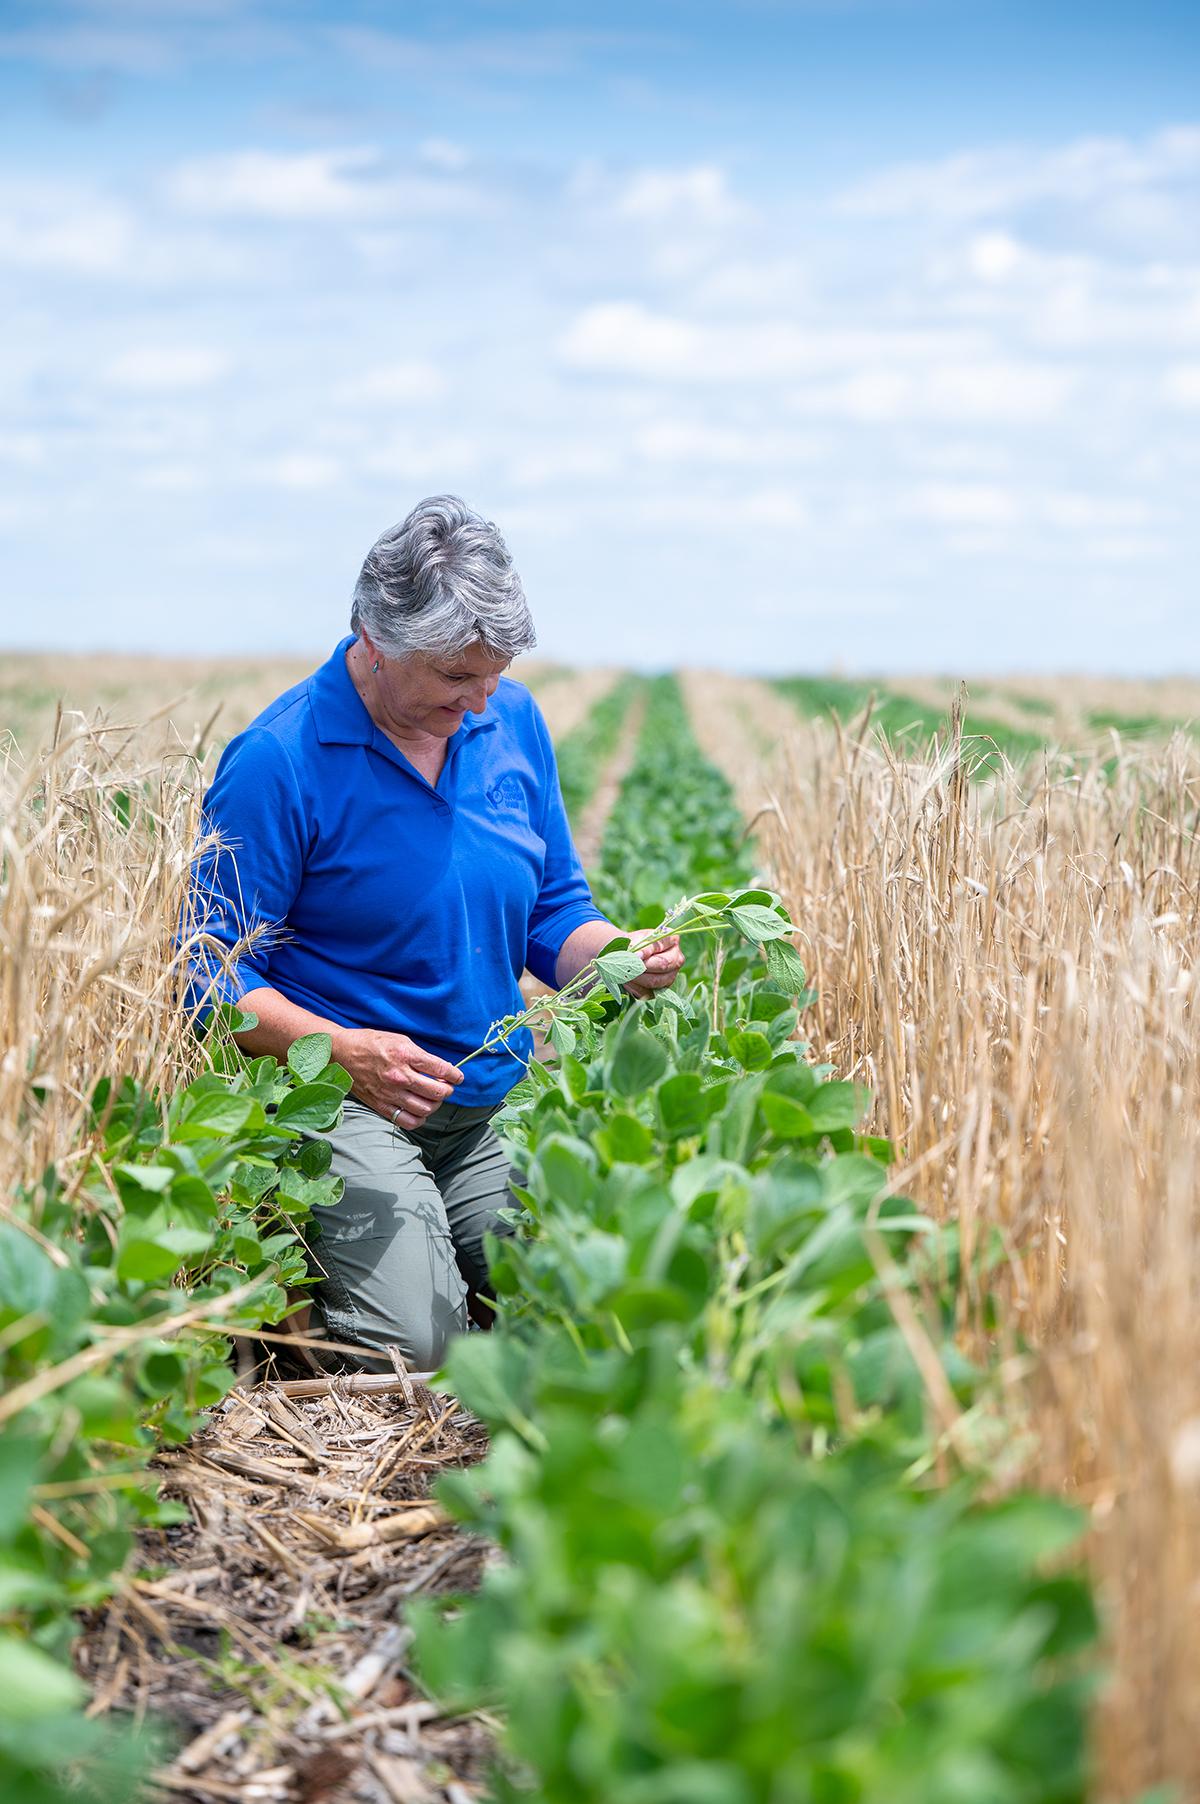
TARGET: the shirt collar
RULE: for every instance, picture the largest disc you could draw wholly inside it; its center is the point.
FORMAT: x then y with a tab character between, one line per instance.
340	715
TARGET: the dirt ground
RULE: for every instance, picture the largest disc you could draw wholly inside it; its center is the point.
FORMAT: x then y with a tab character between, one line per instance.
267	1634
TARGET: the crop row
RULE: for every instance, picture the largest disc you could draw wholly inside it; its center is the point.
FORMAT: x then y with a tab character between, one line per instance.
583	752
184	1214
746	1552
913	723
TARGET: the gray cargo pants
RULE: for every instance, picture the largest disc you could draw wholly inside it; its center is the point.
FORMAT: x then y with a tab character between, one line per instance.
397	1254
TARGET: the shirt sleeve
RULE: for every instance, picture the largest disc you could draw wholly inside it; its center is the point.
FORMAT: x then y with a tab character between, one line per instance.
564	901
245	873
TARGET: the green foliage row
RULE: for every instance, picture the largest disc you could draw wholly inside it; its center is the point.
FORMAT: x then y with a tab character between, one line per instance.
184	1215
675	827
583	753
902	719
1131	726
728	1576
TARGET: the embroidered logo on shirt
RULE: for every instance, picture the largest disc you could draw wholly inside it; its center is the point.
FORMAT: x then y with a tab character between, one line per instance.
505	792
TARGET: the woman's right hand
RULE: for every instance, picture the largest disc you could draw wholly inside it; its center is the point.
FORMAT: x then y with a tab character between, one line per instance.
394	1076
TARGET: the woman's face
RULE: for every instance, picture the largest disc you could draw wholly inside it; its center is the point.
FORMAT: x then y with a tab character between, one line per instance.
431	694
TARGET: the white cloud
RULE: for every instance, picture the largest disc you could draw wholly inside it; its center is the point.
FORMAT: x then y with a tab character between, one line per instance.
979	184
53	227
25	450
988	390
978	504
558	463
163	368
300	470
262	184
700	441
628	338
1076	510
1073	300
699	195
994	256
393	385
963	504
752	283
440	461
174	478
1181	385
625	336
775	509
317	187
442	153
1003	390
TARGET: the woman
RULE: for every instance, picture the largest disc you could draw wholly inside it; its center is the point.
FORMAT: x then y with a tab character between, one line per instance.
394	830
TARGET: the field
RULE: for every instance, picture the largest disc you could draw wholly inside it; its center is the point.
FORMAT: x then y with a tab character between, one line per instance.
840	1437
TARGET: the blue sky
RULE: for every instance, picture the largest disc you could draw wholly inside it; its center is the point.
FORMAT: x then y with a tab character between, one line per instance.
773	335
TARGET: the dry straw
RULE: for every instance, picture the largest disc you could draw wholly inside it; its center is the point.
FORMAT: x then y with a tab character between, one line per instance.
1009	965
96	833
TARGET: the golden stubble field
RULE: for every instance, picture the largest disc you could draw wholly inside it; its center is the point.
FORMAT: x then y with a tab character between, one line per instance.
1009	965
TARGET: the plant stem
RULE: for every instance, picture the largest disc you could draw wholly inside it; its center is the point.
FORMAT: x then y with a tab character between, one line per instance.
581	983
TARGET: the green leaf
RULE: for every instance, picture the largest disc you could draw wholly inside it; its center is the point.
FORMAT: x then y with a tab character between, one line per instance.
784	967
106	1408
31	1284
32	1684
703	1176
147	1177
625	1140
751	1049
314	1158
787	1120
19	1458
574	1076
229	1016
681	1106
561	1036
308	1056
311	1193
218	1115
247	1248
759	924
617	968
142	1261
565	1170
312	1106
840	1105
637	1059
161	1369
192	1199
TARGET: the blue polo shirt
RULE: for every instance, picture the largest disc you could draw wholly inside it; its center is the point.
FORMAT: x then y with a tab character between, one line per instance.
391	902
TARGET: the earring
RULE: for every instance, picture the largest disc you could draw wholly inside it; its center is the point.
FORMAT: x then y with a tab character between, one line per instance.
375	665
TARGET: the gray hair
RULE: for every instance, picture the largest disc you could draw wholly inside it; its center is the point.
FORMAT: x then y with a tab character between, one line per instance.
439	581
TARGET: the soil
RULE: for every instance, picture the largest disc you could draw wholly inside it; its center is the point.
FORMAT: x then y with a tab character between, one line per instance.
265	1633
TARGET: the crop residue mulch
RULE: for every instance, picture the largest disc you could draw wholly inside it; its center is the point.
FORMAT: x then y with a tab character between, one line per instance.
270	1638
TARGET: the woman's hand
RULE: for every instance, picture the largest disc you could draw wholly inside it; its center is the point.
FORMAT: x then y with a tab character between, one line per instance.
394	1076
663	961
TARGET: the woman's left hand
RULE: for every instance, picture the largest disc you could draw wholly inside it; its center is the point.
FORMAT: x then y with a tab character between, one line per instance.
663	961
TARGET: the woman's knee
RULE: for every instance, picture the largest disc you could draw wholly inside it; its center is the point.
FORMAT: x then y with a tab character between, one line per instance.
430	1341
420	1329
